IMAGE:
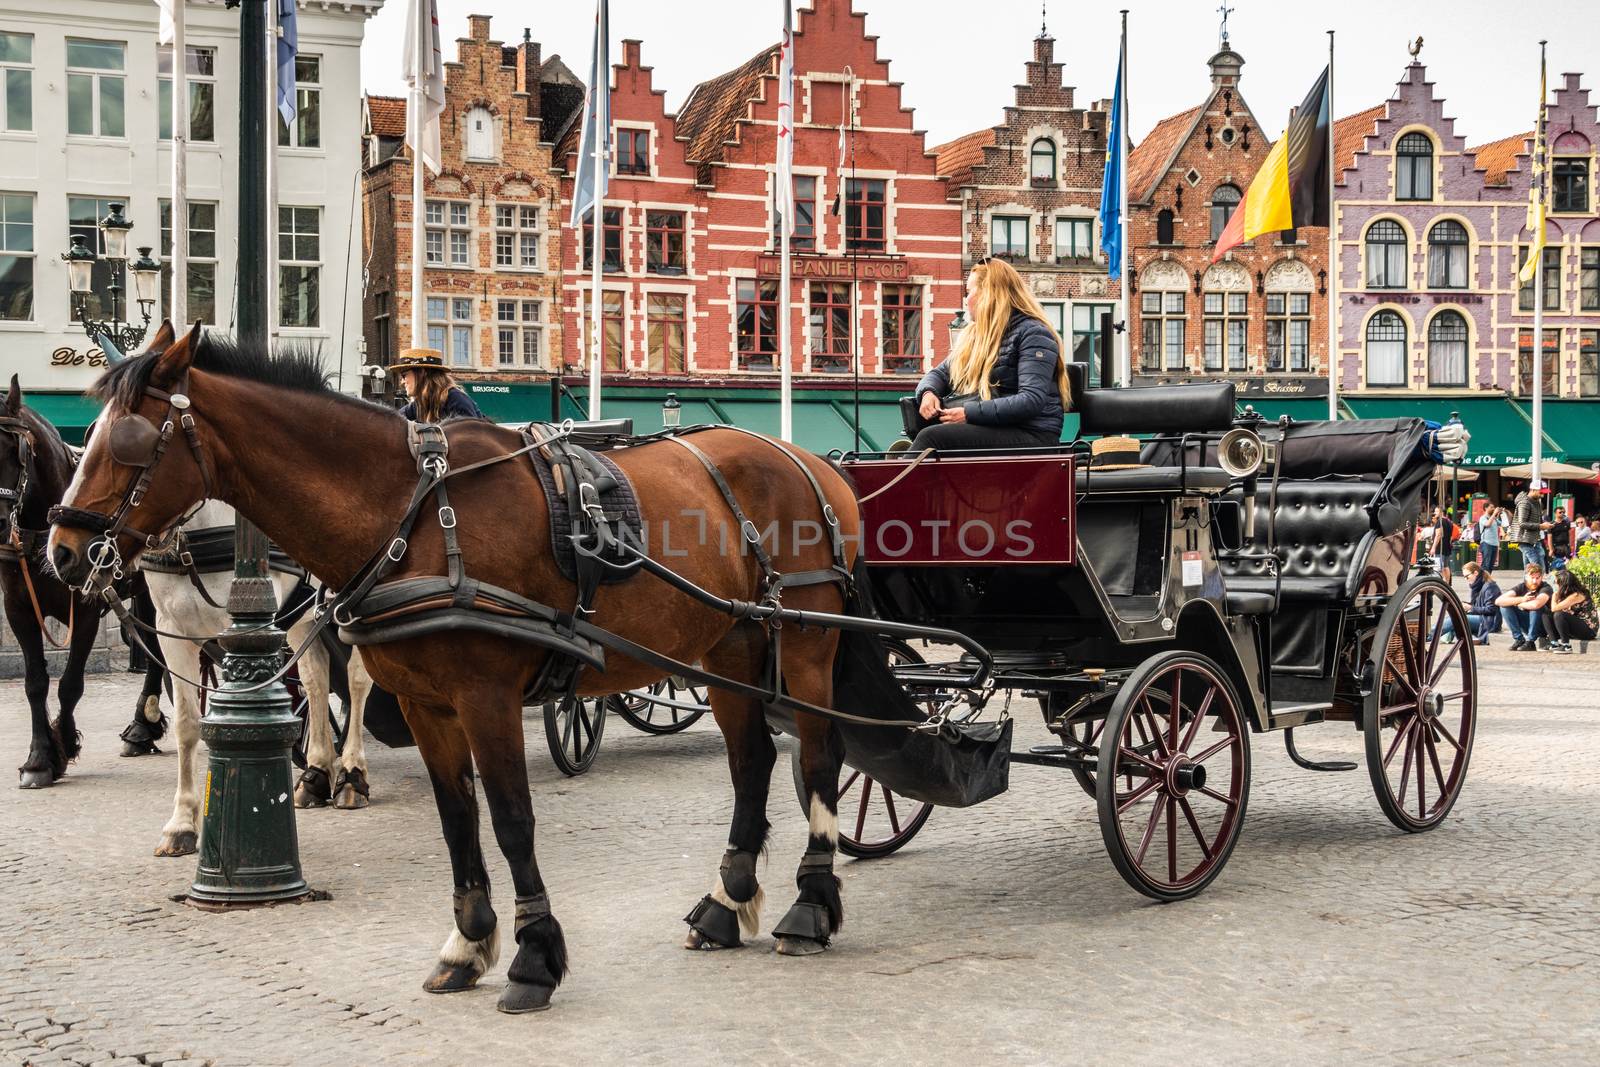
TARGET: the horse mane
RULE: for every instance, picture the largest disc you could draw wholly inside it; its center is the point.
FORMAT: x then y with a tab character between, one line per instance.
295	365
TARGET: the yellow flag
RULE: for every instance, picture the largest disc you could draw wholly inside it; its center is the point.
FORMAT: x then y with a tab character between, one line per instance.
1537	195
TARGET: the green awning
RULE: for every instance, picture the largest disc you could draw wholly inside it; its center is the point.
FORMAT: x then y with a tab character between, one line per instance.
1501	434
1572	424
1298	408
510	401
70	413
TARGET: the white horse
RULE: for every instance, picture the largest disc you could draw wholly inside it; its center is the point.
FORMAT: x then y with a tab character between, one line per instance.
180	609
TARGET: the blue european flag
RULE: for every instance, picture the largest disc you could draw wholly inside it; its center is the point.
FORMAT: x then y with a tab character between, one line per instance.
288	46
1111	189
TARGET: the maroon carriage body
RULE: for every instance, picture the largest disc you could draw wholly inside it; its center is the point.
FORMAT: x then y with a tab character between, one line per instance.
965	510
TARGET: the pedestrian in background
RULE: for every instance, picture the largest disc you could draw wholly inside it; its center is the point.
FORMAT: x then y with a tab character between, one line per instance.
1443	543
1489	537
1526	611
1560	540
1528	527
1572	612
1582	532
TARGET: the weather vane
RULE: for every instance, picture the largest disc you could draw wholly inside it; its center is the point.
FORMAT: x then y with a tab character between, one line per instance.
1415	48
1226	11
1044	19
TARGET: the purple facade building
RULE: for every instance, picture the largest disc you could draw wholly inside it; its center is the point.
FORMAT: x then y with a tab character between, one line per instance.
1430	234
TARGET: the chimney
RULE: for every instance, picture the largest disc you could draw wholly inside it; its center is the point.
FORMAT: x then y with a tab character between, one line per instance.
1225	67
480	27
630	54
529	62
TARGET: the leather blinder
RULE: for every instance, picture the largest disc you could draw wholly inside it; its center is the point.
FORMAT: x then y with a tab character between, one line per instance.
133	441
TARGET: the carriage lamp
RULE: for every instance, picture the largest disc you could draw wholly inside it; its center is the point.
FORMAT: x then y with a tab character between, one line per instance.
114	233
671	412
80	266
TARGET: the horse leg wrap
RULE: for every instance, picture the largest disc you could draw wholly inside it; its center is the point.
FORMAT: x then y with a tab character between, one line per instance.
541	959
715	922
473	946
139	736
475	917
314	788
817	918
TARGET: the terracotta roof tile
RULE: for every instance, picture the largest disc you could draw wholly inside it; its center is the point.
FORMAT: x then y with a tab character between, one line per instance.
957	158
709	117
1150	156
1350	136
1498	157
388	115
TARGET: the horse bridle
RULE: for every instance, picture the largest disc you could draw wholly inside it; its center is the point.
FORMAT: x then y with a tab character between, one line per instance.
135	442
17	427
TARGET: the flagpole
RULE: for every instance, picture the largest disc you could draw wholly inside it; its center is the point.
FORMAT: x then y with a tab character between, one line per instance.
179	311
786	197
1125	349
602	132
273	118
419	41
1333	251
1541	176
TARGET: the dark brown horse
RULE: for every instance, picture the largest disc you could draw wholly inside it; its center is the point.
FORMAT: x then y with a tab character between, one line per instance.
35	469
328	477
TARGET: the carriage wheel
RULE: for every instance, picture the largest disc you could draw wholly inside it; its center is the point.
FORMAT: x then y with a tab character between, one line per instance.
1084	731
572	727
653	717
874	821
1421	716
1174	775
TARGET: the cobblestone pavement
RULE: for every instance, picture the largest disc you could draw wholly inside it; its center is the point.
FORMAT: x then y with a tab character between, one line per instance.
1002	934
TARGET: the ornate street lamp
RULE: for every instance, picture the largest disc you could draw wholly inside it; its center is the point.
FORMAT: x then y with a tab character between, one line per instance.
114	334
671	412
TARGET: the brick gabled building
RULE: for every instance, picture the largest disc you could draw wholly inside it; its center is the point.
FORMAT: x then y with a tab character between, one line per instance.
1029	191
494	244
884	295
1259	314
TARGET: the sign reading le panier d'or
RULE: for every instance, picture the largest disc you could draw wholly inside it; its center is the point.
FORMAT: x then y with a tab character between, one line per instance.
835	267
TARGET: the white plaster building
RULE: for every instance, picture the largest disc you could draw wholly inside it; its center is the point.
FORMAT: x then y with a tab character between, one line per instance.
84	123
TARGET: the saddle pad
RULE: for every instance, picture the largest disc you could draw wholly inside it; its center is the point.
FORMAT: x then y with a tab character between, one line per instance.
618	502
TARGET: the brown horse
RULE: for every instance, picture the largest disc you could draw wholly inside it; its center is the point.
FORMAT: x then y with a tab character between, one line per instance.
328	477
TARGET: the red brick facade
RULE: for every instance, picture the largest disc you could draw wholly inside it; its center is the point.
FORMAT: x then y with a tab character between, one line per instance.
1259	312
494	236
705	177
1029	190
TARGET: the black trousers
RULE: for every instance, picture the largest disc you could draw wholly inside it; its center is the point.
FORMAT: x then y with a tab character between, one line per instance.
1571	628
955	436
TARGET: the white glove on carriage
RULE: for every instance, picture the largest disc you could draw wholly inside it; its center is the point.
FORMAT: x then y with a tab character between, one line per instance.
1450	441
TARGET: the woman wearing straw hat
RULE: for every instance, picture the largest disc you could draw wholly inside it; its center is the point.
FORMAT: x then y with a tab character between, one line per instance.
435	396
1005	385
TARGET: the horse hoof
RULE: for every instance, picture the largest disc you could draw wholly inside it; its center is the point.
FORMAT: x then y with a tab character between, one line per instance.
698	942
305	798
183	843
349	800
140	748
35	779
800	946
452	978
519	998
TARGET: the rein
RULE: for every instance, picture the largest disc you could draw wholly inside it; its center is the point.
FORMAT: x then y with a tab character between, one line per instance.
17	427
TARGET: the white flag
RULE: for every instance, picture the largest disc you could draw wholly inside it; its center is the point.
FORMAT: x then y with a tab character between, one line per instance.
784	205
590	184
167	30
426	79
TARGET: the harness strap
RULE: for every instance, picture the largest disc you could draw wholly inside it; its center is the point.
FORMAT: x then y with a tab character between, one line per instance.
33	596
829	518
747	529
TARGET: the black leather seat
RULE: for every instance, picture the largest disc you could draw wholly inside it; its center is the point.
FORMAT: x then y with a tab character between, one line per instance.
1154	480
1242	603
1322	533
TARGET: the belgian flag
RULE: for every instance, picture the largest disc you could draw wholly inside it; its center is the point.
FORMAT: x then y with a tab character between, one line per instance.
1291	188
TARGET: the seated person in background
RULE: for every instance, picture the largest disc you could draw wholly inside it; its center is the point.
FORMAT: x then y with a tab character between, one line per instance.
1483	616
1572	612
1526	610
1560	540
1582	532
1004	385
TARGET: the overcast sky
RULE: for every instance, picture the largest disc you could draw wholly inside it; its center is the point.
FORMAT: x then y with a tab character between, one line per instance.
959	61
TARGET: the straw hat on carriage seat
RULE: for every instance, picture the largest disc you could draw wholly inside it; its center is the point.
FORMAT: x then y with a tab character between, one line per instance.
419	359
1114	454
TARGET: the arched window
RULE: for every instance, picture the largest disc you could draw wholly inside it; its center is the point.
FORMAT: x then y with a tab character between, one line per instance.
1223	201
1447	255
1386	349
480	134
1042	160
1413	167
1386	255
1447	349
1164	227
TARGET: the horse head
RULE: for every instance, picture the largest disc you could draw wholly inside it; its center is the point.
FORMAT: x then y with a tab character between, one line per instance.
116	506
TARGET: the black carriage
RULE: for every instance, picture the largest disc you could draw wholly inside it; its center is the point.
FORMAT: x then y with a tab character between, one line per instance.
1235	577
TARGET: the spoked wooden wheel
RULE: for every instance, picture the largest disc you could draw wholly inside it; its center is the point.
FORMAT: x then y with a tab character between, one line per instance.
1421	715
1174	775
874	821
672	704
573	728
